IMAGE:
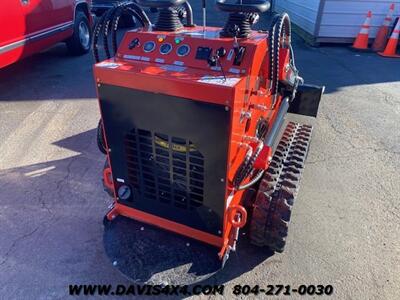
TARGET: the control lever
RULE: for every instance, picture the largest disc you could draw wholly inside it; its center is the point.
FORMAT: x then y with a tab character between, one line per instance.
213	60
237	49
235	31
239	55
221	52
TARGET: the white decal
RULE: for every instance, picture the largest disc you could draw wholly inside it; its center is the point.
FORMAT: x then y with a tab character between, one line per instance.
173	68
109	65
216	68
179	63
133	57
219	80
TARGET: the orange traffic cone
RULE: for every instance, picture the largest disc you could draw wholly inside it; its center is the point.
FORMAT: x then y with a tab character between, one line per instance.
382	35
361	42
390	50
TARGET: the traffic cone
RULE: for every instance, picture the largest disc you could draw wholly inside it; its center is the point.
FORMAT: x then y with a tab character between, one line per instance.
390	50
361	42
383	32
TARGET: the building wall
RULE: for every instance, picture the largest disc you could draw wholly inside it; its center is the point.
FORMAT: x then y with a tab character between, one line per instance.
302	12
343	18
335	20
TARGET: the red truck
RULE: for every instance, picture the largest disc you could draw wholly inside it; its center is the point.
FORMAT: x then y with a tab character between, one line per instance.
30	26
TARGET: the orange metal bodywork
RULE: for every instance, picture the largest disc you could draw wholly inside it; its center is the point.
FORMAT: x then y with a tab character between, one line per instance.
247	92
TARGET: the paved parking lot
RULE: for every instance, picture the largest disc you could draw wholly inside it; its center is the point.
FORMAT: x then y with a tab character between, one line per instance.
346	222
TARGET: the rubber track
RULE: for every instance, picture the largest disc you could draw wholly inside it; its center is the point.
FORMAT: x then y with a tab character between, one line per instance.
279	187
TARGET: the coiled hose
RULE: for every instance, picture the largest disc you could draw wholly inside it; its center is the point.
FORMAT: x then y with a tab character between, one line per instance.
247	167
108	23
144	22
111	17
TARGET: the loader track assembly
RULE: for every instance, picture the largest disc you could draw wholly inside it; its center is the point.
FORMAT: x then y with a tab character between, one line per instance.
197	137
278	189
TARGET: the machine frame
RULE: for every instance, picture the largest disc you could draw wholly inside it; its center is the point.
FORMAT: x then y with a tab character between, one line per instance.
248	100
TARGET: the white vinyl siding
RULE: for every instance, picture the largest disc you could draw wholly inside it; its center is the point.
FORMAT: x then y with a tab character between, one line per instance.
302	13
336	20
343	18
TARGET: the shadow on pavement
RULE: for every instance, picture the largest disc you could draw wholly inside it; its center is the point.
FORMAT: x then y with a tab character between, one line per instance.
51	218
146	254
65	202
49	75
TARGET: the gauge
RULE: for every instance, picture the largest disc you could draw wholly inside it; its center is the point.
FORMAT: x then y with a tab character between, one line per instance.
124	192
149	46
165	48
183	50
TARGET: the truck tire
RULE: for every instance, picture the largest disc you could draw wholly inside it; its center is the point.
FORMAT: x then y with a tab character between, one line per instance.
80	41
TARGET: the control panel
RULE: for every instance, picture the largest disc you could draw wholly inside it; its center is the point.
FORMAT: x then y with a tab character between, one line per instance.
192	48
203	53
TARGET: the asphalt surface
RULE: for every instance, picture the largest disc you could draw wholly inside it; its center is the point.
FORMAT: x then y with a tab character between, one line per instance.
345	227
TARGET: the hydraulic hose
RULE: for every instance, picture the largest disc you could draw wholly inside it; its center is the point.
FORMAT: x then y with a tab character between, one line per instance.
111	17
189	14
142	15
132	9
247	165
106	30
125	9
115	22
281	28
97	32
114	25
253	181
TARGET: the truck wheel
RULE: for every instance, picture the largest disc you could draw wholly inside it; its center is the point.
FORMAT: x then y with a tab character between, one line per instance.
79	43
101	144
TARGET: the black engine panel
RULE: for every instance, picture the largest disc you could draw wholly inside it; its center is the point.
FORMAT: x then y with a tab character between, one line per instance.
172	152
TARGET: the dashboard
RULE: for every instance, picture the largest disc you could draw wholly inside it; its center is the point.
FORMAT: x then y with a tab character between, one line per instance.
190	49
165	48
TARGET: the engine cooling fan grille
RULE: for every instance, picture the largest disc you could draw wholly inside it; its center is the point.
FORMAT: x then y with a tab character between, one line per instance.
169	169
